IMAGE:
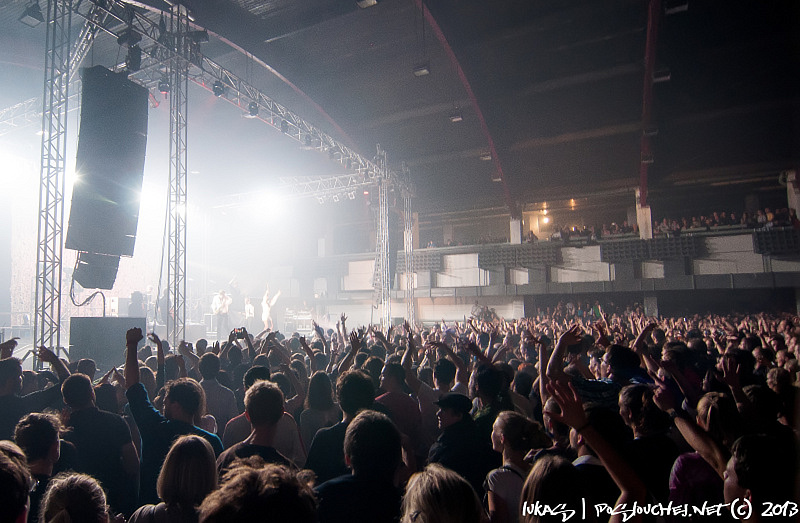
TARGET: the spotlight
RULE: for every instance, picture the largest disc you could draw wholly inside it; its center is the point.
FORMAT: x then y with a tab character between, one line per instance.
252	110
423	69
163	85
284	126
218	88
199	37
133	60
545	220
32	16
129	37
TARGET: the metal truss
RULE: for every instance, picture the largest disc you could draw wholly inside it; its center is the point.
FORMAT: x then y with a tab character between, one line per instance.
408	250
178	107
382	280
47	314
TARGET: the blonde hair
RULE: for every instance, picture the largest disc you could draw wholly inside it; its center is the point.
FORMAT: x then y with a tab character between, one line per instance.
189	473
439	495
552	480
73	498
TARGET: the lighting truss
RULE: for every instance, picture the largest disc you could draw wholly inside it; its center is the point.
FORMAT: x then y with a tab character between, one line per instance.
178	177
50	244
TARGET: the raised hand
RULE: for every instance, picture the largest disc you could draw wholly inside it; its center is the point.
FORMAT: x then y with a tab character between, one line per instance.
47	356
355	343
572	412
133	336
7	348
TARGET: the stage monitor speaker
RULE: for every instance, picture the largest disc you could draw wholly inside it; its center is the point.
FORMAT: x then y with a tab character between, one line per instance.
101	339
110	164
96	271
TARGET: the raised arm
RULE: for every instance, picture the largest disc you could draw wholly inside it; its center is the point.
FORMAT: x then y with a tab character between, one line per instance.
132	339
631	487
311	359
555	366
48	356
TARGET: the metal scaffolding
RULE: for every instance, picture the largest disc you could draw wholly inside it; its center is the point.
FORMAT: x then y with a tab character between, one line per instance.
172	49
408	251
178	106
47	313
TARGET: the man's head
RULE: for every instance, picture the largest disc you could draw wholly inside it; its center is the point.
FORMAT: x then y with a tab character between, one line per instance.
15	484
37	435
254	374
209	366
10	376
263	403
760	469
453	407
78	392
444	373
254	492
184	400
355	392
393	377
372	446
87	366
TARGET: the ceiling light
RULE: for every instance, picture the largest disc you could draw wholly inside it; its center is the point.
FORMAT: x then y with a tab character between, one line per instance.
363	4
486	157
199	37
32	16
456	116
252	110
496	176
163	85
661	75
133	60
422	69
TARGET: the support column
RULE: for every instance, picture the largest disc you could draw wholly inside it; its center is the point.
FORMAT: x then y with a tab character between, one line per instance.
515	226
47	313
178	106
793	190
644	219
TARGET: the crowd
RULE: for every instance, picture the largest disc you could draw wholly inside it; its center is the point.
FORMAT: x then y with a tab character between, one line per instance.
500	421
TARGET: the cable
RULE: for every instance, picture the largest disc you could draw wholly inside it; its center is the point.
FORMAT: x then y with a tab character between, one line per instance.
161	266
91	296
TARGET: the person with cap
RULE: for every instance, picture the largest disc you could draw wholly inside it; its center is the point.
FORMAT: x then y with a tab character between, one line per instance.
460	446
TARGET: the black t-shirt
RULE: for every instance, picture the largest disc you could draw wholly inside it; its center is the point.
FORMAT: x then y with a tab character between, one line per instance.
13	408
350	499
99	437
244	450
326	455
157	434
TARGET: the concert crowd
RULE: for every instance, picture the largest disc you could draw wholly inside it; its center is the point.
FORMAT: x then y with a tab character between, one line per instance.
488	420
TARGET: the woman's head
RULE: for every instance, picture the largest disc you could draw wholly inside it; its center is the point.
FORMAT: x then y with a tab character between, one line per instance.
189	472
320	394
553	480
439	495
717	415
640	412
73	497
516	432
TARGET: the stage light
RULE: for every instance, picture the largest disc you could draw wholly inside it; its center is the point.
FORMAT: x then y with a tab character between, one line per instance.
363	4
545	220
129	37
199	37
284	126
133	60
218	88
252	110
351	195
336	197
320	199
163	85
32	16
455	115
486	157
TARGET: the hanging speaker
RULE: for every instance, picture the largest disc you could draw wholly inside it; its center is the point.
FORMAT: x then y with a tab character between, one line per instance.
110	164
96	271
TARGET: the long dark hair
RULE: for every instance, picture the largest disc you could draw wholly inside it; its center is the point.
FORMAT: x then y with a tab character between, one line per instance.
320	393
